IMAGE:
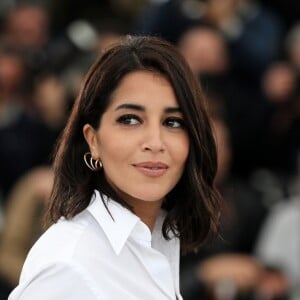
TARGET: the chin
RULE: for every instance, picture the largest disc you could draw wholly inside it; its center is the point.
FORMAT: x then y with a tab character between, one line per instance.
149	196
144	192
152	192
151	199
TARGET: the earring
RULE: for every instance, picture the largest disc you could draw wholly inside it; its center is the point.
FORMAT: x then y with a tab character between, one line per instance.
92	164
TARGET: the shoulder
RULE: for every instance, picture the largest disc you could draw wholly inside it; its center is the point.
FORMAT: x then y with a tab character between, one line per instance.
68	242
57	281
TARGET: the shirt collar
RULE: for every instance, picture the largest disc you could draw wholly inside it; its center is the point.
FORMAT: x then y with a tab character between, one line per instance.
119	225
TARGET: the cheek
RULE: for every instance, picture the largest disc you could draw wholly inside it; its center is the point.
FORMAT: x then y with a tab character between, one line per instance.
115	150
112	159
110	155
181	150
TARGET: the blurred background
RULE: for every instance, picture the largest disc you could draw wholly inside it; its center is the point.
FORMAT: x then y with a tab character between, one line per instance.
246	54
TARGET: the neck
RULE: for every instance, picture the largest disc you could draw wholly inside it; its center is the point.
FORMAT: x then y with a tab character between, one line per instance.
147	211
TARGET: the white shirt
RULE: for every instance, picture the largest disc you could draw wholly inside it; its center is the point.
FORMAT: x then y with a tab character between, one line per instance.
96	257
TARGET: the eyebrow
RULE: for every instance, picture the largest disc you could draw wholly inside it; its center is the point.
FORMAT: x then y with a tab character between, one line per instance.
142	108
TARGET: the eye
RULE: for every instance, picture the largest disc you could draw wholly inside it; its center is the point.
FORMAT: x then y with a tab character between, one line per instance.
129	120
174	122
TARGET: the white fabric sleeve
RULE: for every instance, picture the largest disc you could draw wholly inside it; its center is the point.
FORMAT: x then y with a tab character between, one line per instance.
59	281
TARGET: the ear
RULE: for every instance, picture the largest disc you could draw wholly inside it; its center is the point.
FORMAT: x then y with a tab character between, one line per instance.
90	135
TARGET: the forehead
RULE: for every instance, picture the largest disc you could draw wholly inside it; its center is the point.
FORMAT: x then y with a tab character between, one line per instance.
145	88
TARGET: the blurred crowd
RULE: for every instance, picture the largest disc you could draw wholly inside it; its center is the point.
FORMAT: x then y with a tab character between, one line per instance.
246	54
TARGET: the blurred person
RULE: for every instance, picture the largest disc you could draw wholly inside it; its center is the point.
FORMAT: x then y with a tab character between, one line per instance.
18	128
26	29
204	50
50	101
278	246
238	277
133	173
23	224
207	53
168	19
226	268
252	31
226	262
230	276
12	74
281	130
50	105
279	83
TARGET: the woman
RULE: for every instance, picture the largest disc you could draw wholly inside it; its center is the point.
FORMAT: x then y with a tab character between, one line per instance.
134	173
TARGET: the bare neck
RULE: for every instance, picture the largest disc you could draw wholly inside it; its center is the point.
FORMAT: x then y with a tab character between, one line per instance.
147	211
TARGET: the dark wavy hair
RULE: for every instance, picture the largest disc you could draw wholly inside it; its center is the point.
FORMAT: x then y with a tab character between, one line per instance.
193	205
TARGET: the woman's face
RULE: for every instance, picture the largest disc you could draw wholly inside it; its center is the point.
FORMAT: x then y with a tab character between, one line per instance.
141	140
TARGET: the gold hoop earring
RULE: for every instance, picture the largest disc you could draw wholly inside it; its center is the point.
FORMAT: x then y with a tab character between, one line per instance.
92	164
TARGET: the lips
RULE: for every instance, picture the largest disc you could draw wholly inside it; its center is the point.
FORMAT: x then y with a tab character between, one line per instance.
151	169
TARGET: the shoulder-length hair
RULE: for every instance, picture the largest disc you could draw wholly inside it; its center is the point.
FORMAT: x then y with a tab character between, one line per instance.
192	206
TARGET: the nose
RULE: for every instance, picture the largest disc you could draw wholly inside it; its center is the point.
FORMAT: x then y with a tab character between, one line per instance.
153	140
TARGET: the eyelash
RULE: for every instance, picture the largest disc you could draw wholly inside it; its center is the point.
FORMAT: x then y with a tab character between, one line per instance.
126	119
173	120
132	120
